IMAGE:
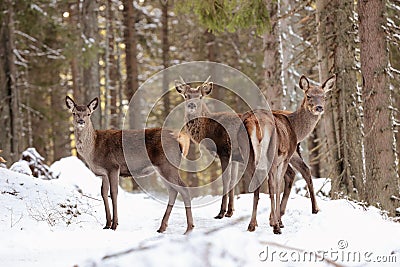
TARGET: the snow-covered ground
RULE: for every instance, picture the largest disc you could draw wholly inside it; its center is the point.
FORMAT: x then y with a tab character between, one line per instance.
59	223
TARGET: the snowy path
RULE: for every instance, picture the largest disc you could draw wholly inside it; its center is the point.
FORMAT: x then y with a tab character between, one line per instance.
34	231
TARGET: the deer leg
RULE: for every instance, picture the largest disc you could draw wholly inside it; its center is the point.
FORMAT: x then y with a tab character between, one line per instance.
282	170
225	184
172	194
289	178
105	186
305	171
184	191
113	175
272	191
253	221
233	181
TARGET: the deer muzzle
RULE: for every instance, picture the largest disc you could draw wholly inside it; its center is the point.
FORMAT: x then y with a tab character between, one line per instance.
319	109
80	123
191	107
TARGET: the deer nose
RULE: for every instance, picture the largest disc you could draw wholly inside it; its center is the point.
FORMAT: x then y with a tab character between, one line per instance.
81	121
319	108
192	105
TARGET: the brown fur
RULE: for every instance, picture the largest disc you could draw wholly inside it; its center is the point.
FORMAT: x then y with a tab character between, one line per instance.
219	127
114	153
207	127
292	128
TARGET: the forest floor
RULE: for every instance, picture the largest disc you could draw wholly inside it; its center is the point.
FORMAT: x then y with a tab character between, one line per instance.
59	223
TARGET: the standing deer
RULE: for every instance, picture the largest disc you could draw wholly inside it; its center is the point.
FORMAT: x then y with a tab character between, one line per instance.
290	130
220	127
201	124
109	157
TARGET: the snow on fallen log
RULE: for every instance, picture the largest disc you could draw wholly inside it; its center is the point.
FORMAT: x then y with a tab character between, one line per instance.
32	163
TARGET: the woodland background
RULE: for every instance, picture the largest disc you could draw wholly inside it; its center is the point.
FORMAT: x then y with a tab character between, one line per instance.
108	48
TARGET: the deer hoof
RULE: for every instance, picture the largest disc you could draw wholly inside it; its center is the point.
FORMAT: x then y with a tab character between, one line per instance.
162	228
107	227
220	215
229	213
281	224
277	230
114	226
252	226
189	230
315	211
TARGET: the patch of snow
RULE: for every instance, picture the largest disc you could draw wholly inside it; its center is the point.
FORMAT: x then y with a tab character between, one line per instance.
59	223
21	167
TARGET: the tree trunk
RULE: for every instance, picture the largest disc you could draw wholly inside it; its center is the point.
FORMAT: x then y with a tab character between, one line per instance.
272	60
5	143
75	69
288	43
351	181
111	71
59	123
211	41
382	180
132	82
11	82
329	125
91	76
165	56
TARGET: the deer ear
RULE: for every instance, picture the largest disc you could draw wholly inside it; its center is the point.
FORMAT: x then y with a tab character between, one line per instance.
206	88
304	84
329	84
180	87
93	104
70	103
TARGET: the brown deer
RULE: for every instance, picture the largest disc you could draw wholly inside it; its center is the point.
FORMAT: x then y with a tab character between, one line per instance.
109	157
201	124
289	130
220	127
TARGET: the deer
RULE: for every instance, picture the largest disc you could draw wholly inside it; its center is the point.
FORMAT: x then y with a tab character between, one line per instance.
109	156
285	130
220	127
201	124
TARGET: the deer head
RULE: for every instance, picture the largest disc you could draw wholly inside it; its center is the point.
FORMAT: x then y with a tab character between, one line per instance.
314	100
193	96
81	114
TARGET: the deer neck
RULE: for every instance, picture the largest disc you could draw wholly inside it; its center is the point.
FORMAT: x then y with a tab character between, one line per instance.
85	140
196	124
303	122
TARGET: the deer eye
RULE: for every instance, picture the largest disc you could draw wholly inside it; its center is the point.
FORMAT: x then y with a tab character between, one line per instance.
74	113
308	97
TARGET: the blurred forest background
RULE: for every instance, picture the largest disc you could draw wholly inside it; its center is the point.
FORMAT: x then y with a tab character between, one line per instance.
108	48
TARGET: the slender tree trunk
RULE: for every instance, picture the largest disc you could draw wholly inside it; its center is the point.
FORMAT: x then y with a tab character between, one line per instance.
75	72
288	43
382	180
111	69
5	143
120	83
11	82
91	76
211	43
132	82
272	60
165	55
59	124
